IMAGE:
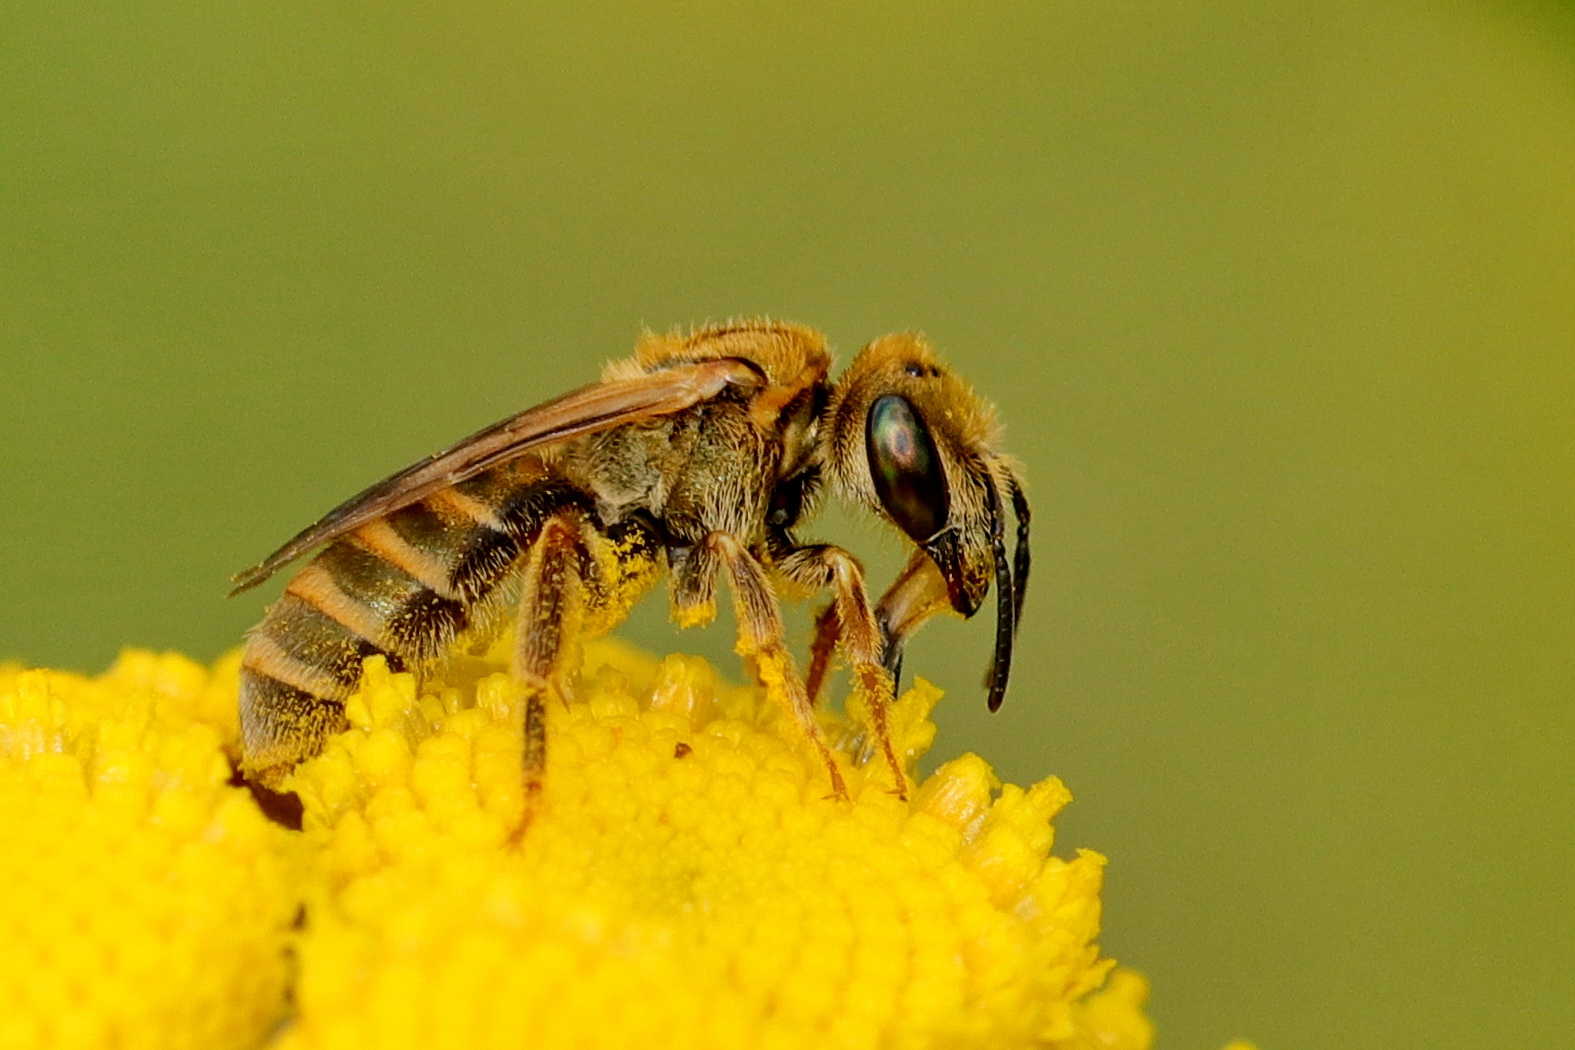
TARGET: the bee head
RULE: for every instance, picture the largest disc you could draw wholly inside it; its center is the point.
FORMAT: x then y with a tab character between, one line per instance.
913	442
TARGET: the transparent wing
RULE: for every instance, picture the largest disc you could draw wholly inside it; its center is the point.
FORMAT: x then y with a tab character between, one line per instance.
599	406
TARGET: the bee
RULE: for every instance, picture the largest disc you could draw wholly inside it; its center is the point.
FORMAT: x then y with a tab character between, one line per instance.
695	458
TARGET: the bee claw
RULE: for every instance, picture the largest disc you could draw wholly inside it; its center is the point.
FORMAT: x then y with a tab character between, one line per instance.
839	789
517	836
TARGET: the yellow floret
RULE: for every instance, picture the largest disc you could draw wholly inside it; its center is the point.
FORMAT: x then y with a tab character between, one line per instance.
684	882
146	902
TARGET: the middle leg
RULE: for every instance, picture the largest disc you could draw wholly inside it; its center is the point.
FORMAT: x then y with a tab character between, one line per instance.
761	634
850	621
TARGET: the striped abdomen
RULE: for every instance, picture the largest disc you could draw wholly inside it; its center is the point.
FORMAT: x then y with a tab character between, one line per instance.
404	585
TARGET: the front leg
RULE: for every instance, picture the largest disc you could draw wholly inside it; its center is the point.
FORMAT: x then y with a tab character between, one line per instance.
761	633
828	633
916	596
850	621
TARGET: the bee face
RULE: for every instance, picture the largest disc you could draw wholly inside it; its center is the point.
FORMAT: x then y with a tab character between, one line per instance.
910	440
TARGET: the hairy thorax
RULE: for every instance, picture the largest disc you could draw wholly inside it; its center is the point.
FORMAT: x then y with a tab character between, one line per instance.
695	473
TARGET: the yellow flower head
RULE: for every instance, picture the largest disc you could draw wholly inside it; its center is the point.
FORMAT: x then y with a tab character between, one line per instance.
146	903
684	881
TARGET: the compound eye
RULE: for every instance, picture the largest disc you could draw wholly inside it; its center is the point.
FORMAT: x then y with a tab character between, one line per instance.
905	468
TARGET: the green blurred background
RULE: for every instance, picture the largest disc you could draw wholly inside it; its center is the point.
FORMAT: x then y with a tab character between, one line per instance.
1277	300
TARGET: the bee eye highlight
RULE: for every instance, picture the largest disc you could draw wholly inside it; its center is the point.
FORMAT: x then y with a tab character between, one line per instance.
905	468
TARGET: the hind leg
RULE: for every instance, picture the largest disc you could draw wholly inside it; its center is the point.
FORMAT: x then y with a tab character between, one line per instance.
550	607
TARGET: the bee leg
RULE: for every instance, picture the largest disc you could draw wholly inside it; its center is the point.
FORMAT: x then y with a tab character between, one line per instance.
548	614
825	565
762	635
828	632
693	587
914	597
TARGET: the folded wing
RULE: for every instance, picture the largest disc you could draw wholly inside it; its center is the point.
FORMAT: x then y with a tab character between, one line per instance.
599	406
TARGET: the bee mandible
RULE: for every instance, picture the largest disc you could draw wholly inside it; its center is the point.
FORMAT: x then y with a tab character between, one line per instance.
695	458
